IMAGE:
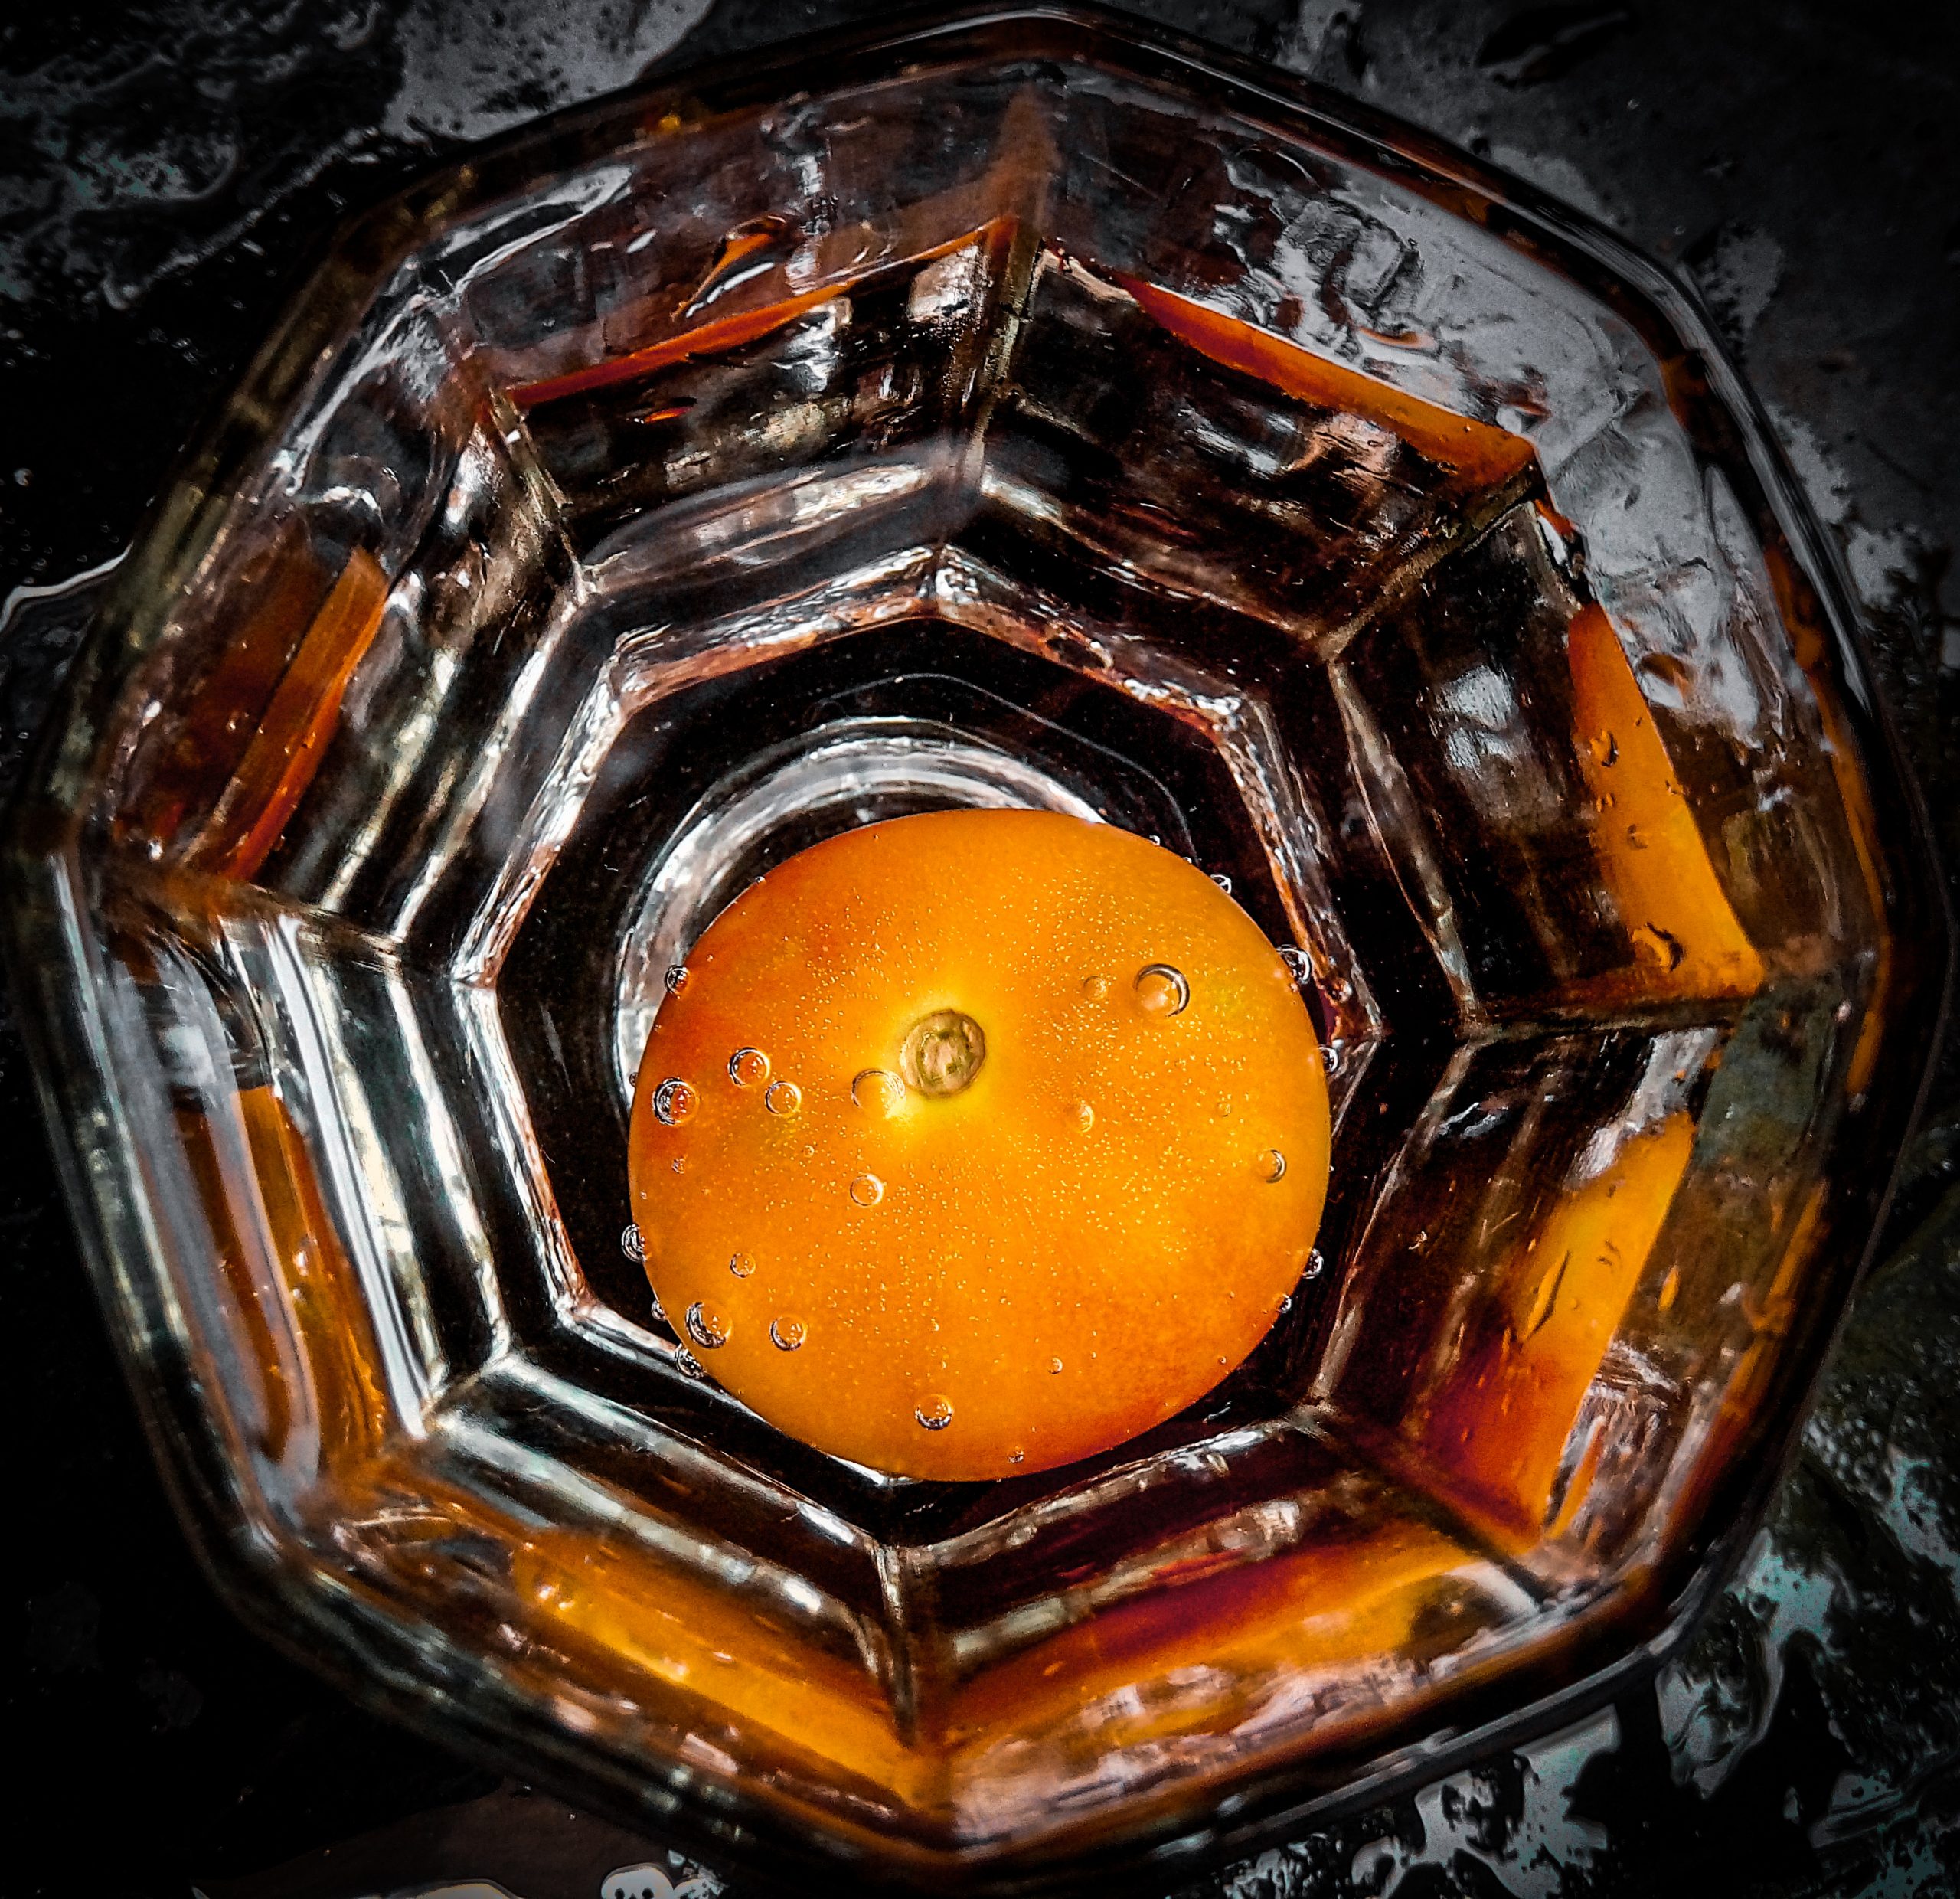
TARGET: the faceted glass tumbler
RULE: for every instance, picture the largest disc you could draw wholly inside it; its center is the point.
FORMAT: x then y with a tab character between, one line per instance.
1034	410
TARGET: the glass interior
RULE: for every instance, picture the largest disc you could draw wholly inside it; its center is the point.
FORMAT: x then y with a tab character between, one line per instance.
1024	414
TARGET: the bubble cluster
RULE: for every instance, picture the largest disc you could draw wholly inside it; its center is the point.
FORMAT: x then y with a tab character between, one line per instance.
748	1068
673	1102
1162	990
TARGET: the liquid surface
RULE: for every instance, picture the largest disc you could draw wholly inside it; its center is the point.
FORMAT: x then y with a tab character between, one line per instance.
1004	1223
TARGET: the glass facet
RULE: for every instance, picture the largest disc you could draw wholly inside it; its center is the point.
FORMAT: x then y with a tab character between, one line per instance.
1029	410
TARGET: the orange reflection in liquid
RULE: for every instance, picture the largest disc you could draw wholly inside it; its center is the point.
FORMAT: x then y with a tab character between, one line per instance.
1355	1604
275	1372
724	332
329	1308
182	762
1654	858
299	719
637	1617
1498	1424
232	760
1364	1610
1478	450
316	1360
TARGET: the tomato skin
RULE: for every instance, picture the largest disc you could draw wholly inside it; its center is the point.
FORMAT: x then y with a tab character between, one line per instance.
1081	1235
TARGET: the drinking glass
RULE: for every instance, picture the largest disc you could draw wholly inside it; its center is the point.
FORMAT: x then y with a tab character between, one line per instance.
1035	409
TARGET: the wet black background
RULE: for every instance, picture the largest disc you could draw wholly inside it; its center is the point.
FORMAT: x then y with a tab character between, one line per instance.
164	170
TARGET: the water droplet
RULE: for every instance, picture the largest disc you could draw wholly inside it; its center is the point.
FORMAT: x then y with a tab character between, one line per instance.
1160	990
632	1245
673	1102
1285	1307
786	1331
1331	1054
1653	944
708	1325
743	1265
1223	882
784	1098
878	1091
748	1067
1605	748
678	1164
943	1052
1054	1366
659	1310
1096	988
1015	1456
867	1190
1634	842
1271	1164
1299	965
1083	1116
934	1412
1315	1267
676	978
1222	1107
687	1365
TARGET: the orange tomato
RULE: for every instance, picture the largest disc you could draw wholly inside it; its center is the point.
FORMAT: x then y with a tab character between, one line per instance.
978	1141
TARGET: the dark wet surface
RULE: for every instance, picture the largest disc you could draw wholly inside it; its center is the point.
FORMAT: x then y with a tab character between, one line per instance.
165	171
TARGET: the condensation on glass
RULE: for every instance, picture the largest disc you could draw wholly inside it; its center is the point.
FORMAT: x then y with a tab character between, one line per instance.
1026	413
